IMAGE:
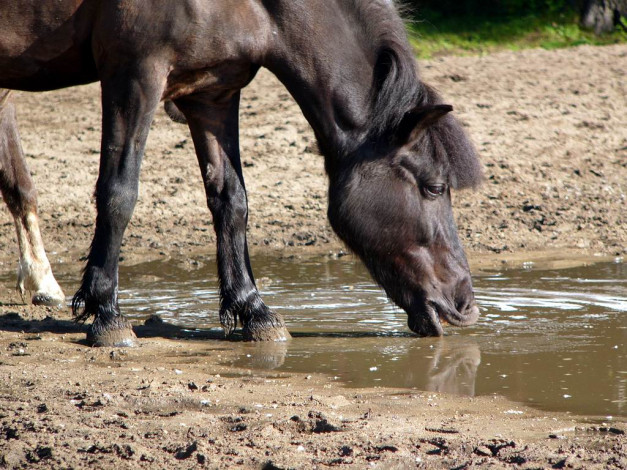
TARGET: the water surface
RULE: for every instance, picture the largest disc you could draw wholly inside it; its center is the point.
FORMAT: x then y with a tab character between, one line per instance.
551	338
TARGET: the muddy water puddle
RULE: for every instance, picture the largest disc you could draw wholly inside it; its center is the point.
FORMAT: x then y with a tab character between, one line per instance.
551	338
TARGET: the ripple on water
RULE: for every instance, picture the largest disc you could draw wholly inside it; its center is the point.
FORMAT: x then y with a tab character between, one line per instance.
551	338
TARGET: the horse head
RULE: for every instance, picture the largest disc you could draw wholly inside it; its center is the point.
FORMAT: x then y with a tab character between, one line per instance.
390	202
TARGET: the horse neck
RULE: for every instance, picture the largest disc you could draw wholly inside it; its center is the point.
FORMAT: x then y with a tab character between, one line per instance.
324	57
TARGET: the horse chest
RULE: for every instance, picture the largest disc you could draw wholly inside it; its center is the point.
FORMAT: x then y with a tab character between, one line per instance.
218	80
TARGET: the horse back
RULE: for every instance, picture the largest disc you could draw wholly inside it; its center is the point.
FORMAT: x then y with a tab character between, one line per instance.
45	44
49	44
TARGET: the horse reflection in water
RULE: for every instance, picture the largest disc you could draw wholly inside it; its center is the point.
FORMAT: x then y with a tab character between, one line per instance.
454	367
392	149
448	364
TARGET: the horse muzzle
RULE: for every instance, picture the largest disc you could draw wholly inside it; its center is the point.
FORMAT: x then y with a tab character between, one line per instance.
458	308
430	321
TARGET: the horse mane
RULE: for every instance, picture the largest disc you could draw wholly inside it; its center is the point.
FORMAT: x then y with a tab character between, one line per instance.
396	87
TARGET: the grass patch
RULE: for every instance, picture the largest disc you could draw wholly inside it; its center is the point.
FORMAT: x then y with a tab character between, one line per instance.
433	34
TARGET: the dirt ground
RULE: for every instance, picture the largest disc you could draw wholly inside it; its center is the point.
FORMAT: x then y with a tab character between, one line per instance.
551	129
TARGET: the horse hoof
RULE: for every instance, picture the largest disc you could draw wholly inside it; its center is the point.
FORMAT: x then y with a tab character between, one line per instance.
272	333
118	335
47	300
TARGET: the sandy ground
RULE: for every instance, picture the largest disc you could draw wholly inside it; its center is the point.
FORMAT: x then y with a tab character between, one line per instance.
551	129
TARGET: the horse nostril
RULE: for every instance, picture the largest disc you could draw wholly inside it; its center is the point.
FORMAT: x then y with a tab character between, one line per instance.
462	305
464	296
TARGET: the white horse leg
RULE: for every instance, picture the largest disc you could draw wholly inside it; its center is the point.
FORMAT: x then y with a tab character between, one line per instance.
34	273
17	188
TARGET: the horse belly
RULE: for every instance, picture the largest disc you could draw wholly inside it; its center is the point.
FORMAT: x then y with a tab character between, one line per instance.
46	44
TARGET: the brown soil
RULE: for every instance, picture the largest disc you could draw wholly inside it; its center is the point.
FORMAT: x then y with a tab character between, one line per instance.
551	129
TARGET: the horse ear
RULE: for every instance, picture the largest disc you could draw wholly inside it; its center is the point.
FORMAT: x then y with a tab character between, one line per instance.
418	119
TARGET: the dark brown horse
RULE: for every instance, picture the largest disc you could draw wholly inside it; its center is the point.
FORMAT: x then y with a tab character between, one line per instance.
392	151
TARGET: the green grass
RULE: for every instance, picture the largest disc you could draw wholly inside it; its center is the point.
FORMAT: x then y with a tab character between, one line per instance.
433	35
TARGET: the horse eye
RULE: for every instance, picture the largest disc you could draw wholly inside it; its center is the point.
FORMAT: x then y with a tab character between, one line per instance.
434	190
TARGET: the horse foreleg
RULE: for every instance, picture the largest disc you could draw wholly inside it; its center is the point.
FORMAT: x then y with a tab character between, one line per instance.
129	100
34	273
214	129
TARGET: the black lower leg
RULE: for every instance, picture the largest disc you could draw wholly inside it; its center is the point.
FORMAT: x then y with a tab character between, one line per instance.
214	129
98	294
240	298
129	99
258	321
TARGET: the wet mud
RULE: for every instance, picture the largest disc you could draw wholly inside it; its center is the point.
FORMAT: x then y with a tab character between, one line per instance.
179	403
